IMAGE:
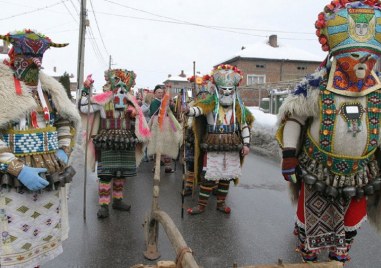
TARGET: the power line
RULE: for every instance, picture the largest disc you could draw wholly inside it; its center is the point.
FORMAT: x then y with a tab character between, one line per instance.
68	10
218	28
96	22
75	8
95	46
197	25
33	11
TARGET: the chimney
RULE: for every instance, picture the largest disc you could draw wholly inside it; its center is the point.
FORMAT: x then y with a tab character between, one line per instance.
182	74
273	40
243	47
4	49
55	69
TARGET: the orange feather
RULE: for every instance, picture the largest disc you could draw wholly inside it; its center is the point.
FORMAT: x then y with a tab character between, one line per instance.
163	109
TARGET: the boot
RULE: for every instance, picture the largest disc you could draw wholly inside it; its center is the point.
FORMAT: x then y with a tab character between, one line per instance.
118	204
103	212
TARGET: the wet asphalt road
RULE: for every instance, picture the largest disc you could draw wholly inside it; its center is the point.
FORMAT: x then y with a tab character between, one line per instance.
258	231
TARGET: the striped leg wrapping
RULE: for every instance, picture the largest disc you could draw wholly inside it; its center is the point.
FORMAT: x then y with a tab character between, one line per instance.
206	188
104	191
222	192
117	188
189	180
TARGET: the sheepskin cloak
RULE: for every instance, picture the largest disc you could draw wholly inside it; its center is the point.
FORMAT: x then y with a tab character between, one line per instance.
13	106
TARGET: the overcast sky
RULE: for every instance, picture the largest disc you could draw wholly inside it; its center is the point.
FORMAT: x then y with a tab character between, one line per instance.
156	38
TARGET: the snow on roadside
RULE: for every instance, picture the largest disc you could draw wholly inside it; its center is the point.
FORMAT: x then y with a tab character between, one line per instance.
263	134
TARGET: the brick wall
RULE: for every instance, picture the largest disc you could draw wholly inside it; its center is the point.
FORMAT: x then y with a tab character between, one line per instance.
251	95
280	74
274	70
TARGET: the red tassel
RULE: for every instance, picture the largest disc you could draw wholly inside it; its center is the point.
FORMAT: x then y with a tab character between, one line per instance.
17	86
46	114
33	116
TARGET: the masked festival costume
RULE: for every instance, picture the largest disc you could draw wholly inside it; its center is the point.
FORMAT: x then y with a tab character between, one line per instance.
167	136
37	133
330	133
222	129
118	134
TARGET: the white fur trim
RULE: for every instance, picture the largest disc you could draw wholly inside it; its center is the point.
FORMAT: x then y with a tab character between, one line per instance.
355	227
63	104
299	105
13	106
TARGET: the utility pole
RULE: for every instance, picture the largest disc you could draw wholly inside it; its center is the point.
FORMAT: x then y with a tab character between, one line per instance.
109	63
80	69
81	47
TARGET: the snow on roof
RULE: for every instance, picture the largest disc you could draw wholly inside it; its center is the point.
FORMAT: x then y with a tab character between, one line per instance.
262	50
176	78
51	72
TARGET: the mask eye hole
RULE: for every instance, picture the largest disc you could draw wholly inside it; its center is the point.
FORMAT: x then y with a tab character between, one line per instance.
355	55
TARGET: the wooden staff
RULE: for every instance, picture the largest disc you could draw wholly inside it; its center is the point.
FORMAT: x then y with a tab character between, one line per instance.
184	118
88	135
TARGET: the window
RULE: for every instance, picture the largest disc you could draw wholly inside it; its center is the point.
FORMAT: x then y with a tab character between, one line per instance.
255	79
261	66
301	68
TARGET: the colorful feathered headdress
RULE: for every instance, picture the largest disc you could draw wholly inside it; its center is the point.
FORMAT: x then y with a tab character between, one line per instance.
349	26
226	75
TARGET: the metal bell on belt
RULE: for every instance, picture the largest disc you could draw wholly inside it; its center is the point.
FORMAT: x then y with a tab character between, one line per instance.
320	186
331	192
360	192
204	146
377	184
6	180
349	191
369	189
309	179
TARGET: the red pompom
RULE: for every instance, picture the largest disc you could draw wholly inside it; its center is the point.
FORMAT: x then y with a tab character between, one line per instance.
319	24
325	47
206	77
323	40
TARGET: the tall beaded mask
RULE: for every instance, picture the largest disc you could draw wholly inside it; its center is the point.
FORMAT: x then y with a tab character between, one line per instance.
28	48
226	78
351	32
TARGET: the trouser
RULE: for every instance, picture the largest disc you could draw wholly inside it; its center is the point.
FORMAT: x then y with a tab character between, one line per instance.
206	188
104	190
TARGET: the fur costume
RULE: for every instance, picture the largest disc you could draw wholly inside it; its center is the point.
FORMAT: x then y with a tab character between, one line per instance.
142	131
119	131
199	128
165	140
222	128
329	133
12	108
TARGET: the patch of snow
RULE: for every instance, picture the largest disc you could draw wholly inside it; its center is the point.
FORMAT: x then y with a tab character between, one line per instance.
263	121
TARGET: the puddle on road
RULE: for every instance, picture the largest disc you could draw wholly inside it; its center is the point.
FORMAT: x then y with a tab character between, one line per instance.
263	186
